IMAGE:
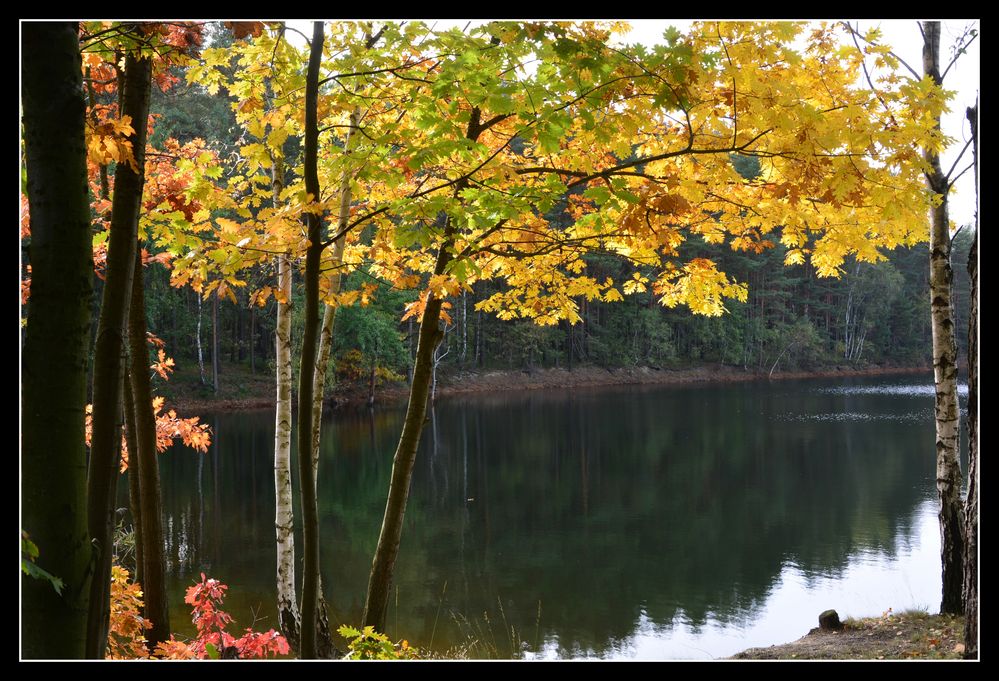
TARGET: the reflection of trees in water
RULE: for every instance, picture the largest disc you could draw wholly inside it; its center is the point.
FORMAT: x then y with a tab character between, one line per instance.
721	503
216	508
603	505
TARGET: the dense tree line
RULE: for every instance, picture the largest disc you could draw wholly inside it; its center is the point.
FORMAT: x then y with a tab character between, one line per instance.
874	314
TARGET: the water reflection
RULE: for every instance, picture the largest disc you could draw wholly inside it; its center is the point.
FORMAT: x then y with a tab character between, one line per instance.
679	522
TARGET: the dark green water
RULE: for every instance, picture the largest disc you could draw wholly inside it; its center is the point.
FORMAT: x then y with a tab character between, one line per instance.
683	522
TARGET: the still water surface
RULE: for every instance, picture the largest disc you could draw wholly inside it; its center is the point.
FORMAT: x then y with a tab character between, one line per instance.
632	522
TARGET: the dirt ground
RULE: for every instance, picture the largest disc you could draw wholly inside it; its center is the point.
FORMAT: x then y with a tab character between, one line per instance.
906	636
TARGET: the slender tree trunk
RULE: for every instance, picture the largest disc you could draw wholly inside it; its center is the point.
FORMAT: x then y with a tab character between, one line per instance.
380	580
464	328
253	340
134	492
102	474
54	358
383	564
201	355
329	312
324	643
215	341
236	355
150	496
944	361
324	639
971	504
284	521
310	509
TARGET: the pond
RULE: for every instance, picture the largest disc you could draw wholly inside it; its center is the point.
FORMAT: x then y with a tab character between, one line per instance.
631	522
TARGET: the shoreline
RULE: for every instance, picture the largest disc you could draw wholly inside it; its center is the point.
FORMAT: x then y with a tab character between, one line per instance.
506	380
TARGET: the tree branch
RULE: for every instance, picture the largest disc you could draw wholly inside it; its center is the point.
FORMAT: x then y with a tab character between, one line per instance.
956	160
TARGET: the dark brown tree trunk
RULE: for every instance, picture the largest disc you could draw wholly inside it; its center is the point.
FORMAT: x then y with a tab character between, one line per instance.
944	361
310	509
102	474
971	504
150	497
54	359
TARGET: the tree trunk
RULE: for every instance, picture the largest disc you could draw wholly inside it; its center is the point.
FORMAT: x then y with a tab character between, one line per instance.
150	496
944	361
134	492
383	564
253	340
324	643
102	474
284	520
310	510
215	341
201	355
54	358
971	504
380	581
324	639
371	385
464	329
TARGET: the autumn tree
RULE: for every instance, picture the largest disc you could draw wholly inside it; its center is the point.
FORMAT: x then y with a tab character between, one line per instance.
108	367
648	134
145	466
465	141
118	134
54	365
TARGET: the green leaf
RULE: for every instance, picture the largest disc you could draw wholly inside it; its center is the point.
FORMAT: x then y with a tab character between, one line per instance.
33	570
348	632
598	194
628	196
213	652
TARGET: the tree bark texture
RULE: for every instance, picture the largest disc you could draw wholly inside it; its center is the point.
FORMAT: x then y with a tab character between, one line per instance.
944	362
102	474
54	359
284	521
310	509
971	503
143	461
134	493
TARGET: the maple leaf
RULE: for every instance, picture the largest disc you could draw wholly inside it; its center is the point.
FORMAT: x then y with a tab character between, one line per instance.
164	365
